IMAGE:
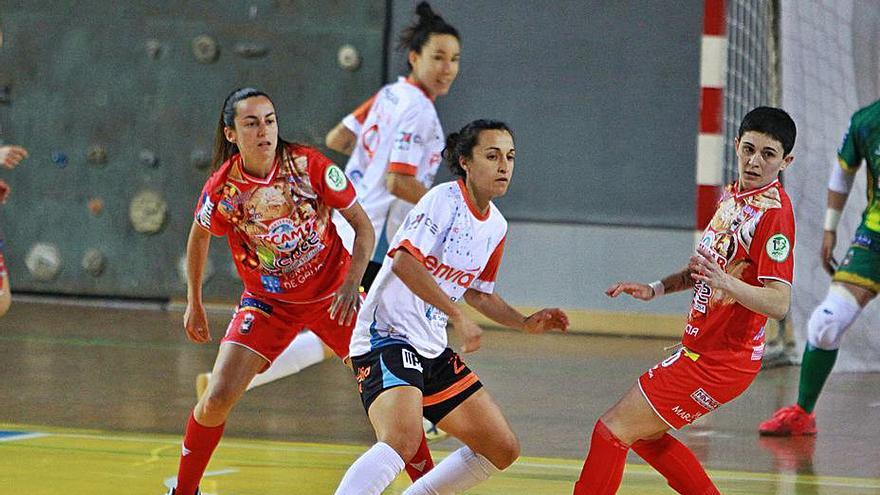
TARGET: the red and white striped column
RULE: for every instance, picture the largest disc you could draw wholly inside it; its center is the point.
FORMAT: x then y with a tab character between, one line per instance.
710	143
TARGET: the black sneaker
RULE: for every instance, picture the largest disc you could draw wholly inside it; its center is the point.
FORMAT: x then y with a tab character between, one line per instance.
172	491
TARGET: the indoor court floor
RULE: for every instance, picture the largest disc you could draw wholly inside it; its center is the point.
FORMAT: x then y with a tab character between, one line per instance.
94	400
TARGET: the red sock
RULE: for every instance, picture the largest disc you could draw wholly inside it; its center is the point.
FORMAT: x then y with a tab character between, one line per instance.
603	468
677	463
420	463
199	443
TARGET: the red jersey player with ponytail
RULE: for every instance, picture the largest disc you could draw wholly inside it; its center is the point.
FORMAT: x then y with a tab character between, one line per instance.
741	275
273	201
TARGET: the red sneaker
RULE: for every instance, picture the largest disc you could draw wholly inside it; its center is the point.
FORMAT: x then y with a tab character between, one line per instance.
789	421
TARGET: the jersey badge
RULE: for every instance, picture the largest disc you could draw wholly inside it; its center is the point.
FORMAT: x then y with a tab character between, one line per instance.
335	178
778	247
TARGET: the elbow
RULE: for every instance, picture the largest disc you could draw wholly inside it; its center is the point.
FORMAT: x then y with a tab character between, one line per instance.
780	311
397	265
392	183
332	141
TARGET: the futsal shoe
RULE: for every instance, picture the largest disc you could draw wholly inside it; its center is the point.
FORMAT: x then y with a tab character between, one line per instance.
789	422
432	433
202	384
172	491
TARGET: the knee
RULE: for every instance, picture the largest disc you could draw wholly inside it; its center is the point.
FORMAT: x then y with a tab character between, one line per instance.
506	452
503	452
216	403
831	319
405	441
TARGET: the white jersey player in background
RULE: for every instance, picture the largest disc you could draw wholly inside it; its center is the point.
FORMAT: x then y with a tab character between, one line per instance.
449	248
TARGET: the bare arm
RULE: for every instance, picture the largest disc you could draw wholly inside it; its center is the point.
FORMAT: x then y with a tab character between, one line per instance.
836	202
195	320
419	281
773	299
675	282
347	299
496	309
341	139
405	187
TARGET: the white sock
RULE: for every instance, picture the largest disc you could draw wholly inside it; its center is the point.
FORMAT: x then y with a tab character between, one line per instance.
305	350
372	472
463	469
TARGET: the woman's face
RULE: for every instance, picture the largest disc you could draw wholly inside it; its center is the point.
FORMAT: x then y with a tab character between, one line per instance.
491	167
436	67
256	129
760	159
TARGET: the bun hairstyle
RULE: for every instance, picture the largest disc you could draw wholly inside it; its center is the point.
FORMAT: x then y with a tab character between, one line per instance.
414	37
223	149
461	144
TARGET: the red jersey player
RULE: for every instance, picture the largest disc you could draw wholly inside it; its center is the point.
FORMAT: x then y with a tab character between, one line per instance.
272	200
741	274
10	156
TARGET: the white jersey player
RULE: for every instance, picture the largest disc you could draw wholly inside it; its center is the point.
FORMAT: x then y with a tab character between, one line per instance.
449	248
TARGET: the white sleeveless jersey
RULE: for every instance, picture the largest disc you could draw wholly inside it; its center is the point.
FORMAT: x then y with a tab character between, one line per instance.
460	248
397	131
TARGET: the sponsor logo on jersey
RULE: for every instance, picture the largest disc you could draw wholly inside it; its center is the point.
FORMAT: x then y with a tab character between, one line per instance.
282	234
252	304
335	179
778	247
702	398
757	352
205	212
370	140
363	372
246	324
413	222
403	141
686	416
443	271
691	330
410	360
270	284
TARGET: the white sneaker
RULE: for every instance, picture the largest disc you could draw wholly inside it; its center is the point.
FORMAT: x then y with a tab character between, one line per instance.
202	384
432	433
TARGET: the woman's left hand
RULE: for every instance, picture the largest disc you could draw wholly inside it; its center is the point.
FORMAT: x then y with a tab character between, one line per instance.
546	319
705	269
346	303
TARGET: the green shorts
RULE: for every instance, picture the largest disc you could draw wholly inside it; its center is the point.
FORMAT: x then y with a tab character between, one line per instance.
861	266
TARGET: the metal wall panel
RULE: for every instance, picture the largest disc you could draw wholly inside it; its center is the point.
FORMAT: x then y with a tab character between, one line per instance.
603	96
123	76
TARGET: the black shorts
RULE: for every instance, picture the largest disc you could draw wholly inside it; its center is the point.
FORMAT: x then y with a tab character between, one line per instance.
445	381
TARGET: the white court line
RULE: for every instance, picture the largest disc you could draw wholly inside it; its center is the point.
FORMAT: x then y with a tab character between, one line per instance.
323	449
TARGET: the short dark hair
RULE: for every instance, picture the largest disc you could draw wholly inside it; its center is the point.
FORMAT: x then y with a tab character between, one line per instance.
774	122
416	35
461	144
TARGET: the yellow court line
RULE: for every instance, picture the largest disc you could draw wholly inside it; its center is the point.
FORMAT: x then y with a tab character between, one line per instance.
523	466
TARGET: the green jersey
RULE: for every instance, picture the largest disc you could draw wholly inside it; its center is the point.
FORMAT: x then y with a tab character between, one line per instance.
862	142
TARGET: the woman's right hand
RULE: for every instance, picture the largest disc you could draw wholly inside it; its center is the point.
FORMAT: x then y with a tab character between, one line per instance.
829	240
640	291
470	333
195	321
